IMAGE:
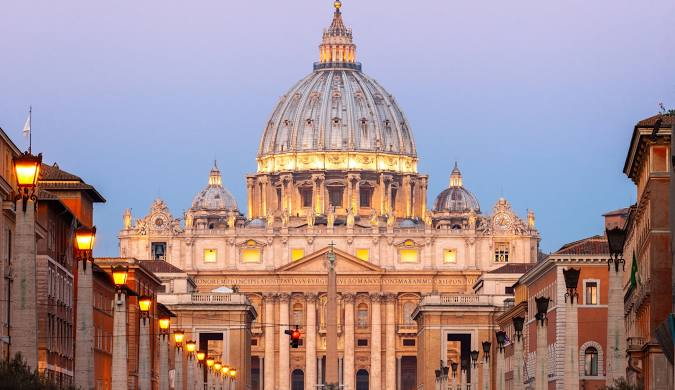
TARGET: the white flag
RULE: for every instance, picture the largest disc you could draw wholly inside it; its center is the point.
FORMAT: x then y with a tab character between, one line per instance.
26	127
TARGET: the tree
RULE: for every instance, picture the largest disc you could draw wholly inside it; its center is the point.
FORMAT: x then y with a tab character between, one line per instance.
16	375
622	384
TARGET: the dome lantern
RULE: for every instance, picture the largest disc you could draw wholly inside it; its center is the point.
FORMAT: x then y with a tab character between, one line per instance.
214	197
456	198
337	49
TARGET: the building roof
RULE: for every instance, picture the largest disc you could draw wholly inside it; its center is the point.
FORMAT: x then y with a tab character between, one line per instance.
53	177
595	245
160	266
660	119
654	127
513	268
623	211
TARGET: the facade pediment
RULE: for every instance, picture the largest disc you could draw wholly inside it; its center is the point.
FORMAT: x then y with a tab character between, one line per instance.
317	263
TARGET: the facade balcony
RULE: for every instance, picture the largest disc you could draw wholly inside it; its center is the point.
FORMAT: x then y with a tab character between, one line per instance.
636	343
203	299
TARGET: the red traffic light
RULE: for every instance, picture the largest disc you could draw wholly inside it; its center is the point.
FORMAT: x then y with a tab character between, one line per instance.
295	335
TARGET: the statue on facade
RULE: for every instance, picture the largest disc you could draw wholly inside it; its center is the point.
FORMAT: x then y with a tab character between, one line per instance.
330	218
285	218
374	219
350	218
428	221
231	220
270	220
391	218
188	220
310	218
472	219
127	219
530	219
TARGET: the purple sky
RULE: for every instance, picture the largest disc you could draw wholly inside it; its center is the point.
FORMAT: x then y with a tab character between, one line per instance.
535	99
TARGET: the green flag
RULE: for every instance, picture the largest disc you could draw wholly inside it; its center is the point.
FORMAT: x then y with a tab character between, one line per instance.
634	275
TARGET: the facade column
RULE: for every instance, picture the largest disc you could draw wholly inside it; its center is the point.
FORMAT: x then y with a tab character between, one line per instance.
84	343
163	361
616	331
190	372
269	341
390	341
499	377
398	373
263	195
348	364
144	376
310	348
261	372
319	369
486	372
284	351
249	193
24	299
199	375
375	342
571	355
120	371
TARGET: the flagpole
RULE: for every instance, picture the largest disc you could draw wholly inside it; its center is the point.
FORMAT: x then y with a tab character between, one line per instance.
30	131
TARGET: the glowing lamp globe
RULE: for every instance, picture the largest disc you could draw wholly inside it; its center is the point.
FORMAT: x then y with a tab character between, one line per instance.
119	274
226	370
27	170
233	373
144	304
164	323
210	361
85	238
178	336
201	355
190	346
217	366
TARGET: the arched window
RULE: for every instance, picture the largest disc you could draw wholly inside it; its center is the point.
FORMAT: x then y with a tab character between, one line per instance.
591	361
408	309
362	316
362	380
298	380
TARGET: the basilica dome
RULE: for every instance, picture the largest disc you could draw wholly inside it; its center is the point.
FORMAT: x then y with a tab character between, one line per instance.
336	109
214	197
456	198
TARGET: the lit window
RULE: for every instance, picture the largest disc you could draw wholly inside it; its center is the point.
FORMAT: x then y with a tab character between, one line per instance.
502	252
591	361
408	255
306	194
250	255
450	256
210	255
363	254
297	254
591	293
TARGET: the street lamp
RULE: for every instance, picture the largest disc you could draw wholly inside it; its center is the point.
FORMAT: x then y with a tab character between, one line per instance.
486	350
119	273
85	238
217	366
571	276
164	324
542	308
200	357
518	323
454	368
83	246
144	304
27	170
474	358
616	239
501	339
178	336
190	347
210	362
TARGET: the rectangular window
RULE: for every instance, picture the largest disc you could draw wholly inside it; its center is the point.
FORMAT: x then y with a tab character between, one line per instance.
450	256
250	255
363	254
335	196
365	196
501	252
362	342
210	255
659	159
408	255
254	342
408	342
159	250
509	290
297	254
306	194
591	293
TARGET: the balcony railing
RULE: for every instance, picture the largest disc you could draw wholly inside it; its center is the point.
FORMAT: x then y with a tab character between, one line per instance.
202	298
636	343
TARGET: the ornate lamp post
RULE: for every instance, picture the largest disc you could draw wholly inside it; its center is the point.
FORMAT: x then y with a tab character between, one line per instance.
571	363
201	355
226	377
23	303
541	372
218	375
164	325
501	339
486	364
233	379
442	376
178	337
209	372
190	347
453	366
616	331
144	375
518	383
474	367
120	350
84	343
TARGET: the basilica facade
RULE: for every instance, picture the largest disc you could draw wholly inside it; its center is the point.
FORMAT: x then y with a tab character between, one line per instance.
337	168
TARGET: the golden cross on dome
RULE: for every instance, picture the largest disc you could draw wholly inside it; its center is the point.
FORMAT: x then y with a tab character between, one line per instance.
337	5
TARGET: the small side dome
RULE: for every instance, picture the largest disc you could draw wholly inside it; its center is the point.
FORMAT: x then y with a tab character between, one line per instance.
214	197
456	198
